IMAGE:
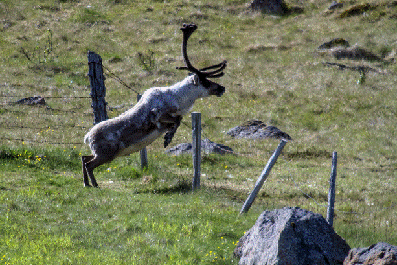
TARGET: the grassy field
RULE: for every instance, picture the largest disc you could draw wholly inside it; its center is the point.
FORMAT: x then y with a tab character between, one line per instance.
275	74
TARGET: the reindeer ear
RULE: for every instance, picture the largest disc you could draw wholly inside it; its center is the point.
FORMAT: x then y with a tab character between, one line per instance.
196	80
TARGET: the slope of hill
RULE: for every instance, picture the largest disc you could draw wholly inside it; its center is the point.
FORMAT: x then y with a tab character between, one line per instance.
331	99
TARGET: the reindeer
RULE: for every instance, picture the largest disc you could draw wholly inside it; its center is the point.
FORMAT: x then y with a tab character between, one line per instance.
159	111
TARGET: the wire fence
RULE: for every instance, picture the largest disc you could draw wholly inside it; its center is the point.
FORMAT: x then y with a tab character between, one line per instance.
28	124
45	122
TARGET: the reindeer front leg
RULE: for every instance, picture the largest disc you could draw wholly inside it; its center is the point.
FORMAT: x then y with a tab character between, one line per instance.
170	134
167	120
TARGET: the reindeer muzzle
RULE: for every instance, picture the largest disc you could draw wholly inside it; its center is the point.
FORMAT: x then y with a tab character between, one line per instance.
219	91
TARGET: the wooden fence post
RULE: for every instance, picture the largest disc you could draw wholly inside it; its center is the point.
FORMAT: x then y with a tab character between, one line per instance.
331	193
196	144
98	89
143	152
263	177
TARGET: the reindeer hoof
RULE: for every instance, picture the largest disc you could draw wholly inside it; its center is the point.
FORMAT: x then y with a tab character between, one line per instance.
168	138
87	185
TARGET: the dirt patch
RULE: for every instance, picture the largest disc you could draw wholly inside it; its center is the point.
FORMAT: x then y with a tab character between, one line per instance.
339	48
354	53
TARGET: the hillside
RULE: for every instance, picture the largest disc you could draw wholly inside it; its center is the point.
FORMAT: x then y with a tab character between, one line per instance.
275	74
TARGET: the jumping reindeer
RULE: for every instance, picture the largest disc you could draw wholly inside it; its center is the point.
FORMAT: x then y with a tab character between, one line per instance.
160	110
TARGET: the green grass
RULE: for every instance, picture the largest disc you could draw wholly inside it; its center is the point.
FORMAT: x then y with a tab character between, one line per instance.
47	216
150	216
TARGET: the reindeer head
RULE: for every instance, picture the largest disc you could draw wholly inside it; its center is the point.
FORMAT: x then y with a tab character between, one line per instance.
203	74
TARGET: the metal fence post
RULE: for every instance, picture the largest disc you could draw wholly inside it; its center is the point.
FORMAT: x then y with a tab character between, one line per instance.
196	128
143	152
98	89
263	177
331	193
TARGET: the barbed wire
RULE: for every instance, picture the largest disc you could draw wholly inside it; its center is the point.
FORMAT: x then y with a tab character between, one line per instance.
42	128
56	97
117	78
295	183
47	109
39	142
297	186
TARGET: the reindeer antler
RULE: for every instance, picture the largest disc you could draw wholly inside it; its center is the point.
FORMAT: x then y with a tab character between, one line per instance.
187	30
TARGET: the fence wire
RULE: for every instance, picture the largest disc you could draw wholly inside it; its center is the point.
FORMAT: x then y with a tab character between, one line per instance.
29	116
44	111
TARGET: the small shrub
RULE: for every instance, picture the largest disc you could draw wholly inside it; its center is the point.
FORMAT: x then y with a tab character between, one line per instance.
43	52
146	60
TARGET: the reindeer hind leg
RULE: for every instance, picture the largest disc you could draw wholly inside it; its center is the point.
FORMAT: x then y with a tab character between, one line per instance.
94	163
84	160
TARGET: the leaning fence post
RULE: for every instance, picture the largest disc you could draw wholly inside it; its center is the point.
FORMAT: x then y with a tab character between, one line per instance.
196	144
263	177
98	89
143	152
331	193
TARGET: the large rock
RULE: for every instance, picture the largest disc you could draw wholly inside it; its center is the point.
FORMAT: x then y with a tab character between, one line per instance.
268	6
378	254
257	130
291	236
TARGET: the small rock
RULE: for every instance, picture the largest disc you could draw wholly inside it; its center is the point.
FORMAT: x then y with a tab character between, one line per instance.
207	147
335	5
334	43
36	100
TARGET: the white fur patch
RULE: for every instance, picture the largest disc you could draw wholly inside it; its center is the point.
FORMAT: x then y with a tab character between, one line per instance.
148	139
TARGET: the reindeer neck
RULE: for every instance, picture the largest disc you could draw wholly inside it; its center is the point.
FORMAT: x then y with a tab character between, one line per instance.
186	93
